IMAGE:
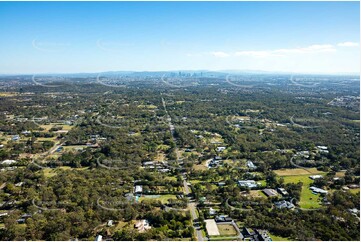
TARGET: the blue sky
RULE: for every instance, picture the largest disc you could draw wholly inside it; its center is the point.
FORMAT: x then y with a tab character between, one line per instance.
68	37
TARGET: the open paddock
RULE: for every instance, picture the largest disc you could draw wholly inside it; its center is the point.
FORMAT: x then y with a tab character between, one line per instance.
298	171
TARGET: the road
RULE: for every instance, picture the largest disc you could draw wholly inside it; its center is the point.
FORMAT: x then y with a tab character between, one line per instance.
192	206
171	128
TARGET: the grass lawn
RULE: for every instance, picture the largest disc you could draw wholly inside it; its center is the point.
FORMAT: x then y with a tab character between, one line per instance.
49	172
200	167
74	147
226	230
49	126
147	106
163	147
298	171
2	226
278	238
354	191
340	174
221	238
308	199
122	224
171	178
162	198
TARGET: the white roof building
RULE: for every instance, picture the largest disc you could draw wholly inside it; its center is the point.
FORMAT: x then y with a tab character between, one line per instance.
220	148
318	190
8	162
247	183
138	189
316	177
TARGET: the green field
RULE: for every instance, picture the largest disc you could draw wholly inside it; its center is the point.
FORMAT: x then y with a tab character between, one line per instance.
162	198
41	139
355	190
50	172
297	172
74	147
308	199
278	238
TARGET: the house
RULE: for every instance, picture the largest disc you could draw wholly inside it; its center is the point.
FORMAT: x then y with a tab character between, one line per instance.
247	183
21	220
8	162
256	235
15	138
316	177
99	238
250	165
26	215
322	149
19	184
26	132
138	189
305	153
110	223
220	148
318	190
270	192
282	191
223	218
148	163
142	225
212	211
284	204
354	211
165	170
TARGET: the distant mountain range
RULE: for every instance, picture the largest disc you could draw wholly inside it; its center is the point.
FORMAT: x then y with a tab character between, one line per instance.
183	73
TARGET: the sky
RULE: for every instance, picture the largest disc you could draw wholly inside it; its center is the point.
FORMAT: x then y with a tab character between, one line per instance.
75	37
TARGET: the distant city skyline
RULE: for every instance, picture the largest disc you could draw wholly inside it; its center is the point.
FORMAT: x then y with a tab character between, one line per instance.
89	37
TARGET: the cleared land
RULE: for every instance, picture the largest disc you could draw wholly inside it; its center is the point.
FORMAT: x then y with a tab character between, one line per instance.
297	171
308	199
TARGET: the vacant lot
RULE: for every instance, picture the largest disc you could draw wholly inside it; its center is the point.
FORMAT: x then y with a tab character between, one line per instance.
227	229
297	171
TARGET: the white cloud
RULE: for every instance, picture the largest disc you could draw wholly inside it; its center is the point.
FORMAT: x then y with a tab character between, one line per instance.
220	54
348	44
307	50
255	53
278	52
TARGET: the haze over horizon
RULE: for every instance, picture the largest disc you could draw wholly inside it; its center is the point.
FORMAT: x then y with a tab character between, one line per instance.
90	37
